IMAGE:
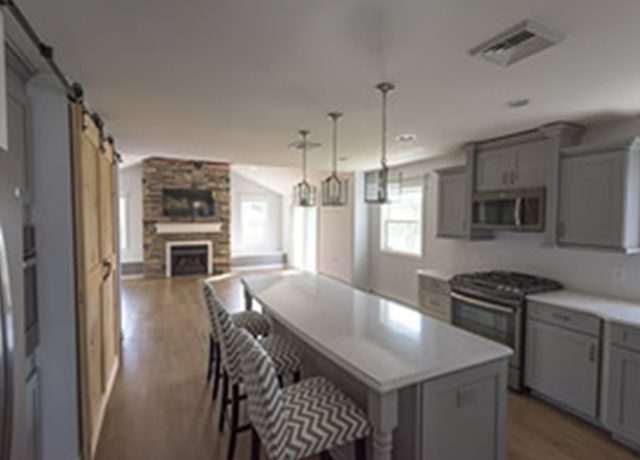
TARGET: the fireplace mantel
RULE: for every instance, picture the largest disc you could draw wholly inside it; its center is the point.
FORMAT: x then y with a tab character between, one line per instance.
188	227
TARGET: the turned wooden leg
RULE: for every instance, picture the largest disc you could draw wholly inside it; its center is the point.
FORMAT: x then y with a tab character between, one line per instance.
216	372
361	449
235	413
255	445
383	415
211	358
296	376
224	401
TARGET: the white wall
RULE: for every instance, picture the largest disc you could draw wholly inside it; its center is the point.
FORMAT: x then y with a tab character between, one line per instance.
243	188
53	218
588	270
130	186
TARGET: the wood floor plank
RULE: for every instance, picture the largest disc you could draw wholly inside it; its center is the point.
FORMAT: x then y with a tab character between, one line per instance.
161	408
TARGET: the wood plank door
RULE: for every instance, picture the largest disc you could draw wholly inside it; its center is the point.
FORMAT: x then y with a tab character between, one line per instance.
97	297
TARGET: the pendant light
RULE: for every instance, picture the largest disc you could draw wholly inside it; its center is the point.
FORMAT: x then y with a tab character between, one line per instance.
378	191
334	190
304	194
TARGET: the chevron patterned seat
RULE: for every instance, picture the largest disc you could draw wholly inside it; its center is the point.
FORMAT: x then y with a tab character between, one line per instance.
252	321
283	355
304	419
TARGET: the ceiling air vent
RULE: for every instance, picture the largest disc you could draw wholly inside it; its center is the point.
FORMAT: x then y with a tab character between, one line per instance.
519	42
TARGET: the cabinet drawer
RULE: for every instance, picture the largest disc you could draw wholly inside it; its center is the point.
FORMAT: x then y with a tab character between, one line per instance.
580	322
626	337
433	284
436	305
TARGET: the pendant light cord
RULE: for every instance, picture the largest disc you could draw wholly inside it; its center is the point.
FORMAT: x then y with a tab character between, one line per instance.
335	116
304	134
384	88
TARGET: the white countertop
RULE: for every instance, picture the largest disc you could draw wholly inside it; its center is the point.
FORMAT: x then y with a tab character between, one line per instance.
438	273
612	310
383	343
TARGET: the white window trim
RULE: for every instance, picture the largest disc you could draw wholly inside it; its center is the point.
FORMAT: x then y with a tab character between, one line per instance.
249	197
422	224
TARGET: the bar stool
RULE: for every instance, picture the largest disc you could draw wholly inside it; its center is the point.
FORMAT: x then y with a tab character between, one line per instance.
303	419
285	358
252	321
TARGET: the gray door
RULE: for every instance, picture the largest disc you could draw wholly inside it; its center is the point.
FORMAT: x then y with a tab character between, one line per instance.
495	169
451	205
563	365
592	199
624	394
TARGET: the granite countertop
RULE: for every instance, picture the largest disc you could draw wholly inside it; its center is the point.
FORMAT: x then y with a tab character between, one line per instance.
381	342
609	309
438	273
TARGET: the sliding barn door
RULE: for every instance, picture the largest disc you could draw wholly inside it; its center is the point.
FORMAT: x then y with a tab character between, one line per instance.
97	296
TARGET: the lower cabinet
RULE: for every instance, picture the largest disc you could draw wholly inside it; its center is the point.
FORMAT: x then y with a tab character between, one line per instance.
433	297
563	365
624	394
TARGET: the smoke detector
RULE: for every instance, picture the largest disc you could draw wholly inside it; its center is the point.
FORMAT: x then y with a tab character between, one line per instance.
517	43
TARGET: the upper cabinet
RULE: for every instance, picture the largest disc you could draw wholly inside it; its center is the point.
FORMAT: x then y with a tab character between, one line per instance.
452	201
598	196
522	165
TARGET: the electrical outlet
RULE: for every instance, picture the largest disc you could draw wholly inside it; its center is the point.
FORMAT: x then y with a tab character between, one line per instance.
619	274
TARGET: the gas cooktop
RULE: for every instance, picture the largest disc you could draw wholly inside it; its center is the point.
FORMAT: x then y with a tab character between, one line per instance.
505	284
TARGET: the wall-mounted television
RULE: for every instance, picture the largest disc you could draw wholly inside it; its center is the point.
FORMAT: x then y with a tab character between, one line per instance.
179	202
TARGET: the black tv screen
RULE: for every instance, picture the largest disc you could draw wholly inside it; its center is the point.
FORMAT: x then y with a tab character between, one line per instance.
188	203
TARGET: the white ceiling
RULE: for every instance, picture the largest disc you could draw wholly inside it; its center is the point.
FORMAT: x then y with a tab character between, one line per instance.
234	79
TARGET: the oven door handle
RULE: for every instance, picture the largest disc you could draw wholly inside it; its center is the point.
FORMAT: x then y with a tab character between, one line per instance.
482	304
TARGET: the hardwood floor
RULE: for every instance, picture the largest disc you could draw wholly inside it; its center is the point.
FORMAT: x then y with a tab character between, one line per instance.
162	409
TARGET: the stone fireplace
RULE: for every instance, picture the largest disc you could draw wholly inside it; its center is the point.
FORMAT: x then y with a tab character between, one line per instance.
200	243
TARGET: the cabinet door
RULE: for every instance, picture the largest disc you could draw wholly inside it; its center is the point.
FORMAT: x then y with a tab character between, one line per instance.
563	365
624	394
494	169
532	165
592	200
452	197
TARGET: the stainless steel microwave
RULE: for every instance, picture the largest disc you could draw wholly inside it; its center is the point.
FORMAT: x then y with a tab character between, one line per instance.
519	210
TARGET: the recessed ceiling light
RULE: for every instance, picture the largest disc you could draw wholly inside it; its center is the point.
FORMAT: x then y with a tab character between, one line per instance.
406	137
518	103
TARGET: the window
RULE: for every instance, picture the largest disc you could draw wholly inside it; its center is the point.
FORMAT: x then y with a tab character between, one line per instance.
123	204
401	222
254	221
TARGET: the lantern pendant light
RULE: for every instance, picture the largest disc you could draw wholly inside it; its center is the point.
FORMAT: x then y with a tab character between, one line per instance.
381	191
304	194
334	190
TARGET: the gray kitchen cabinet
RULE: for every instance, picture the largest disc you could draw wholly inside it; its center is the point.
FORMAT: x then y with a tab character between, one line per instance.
521	165
494	169
624	386
563	365
452	202
433	295
598	192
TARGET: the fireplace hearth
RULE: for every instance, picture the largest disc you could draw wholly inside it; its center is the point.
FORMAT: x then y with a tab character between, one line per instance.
188	259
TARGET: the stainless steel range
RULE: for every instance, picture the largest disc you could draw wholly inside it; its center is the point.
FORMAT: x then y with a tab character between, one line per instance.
492	304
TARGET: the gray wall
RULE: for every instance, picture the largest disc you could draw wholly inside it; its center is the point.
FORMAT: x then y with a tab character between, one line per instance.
130	185
53	219
590	271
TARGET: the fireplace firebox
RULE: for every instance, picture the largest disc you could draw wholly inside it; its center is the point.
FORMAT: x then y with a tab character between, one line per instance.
189	259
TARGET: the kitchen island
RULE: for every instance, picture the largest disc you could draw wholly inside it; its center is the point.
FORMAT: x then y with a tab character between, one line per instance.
431	391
